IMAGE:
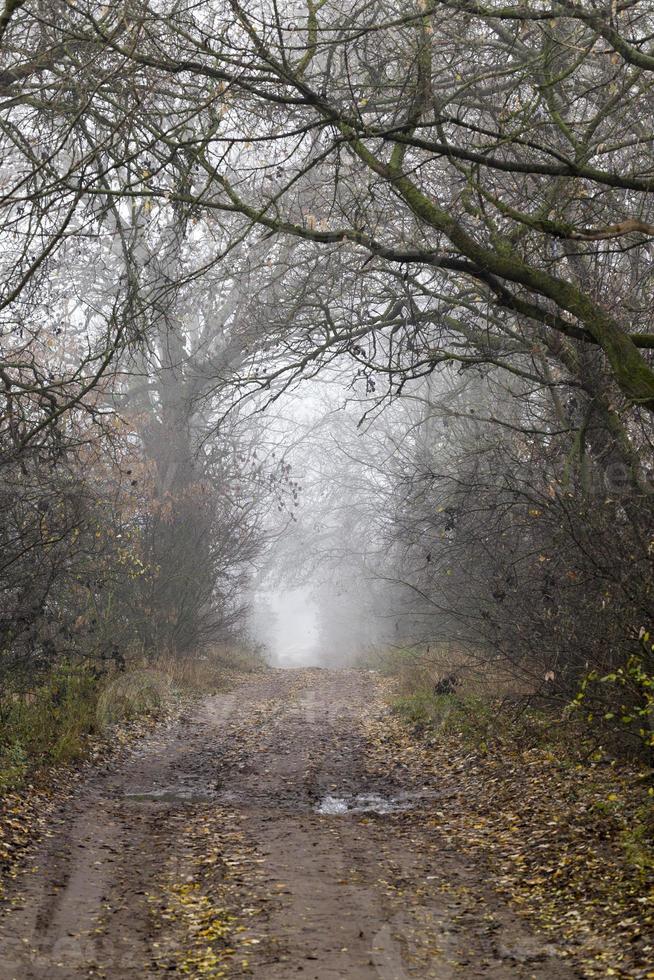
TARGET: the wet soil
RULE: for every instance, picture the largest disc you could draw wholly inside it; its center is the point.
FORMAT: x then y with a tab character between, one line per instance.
350	869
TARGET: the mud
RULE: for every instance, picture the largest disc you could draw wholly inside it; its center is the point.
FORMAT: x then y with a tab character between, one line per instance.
354	867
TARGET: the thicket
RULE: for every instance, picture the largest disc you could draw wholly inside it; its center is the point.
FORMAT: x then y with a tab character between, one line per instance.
198	199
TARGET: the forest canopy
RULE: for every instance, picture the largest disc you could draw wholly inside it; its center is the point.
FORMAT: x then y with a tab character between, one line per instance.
447	204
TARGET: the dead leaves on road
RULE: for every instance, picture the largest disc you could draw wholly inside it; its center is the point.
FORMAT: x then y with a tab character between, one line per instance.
565	844
208	917
23	817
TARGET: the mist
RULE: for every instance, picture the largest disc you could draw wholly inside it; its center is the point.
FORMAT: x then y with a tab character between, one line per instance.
326	342
285	624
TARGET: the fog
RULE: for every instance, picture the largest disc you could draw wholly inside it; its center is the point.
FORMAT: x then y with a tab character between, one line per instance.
319	598
267	338
287	626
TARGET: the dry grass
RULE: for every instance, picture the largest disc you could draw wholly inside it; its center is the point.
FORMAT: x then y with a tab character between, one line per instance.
213	670
489	708
418	669
128	696
148	688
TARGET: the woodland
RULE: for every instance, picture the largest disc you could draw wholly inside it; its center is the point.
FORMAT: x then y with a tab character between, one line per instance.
352	297
446	210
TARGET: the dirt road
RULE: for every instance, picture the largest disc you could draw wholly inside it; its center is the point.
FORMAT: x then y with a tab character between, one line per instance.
260	837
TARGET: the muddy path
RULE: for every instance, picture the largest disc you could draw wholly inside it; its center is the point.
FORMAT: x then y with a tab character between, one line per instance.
260	836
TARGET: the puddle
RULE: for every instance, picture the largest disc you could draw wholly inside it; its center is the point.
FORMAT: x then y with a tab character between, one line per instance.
362	803
171	794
